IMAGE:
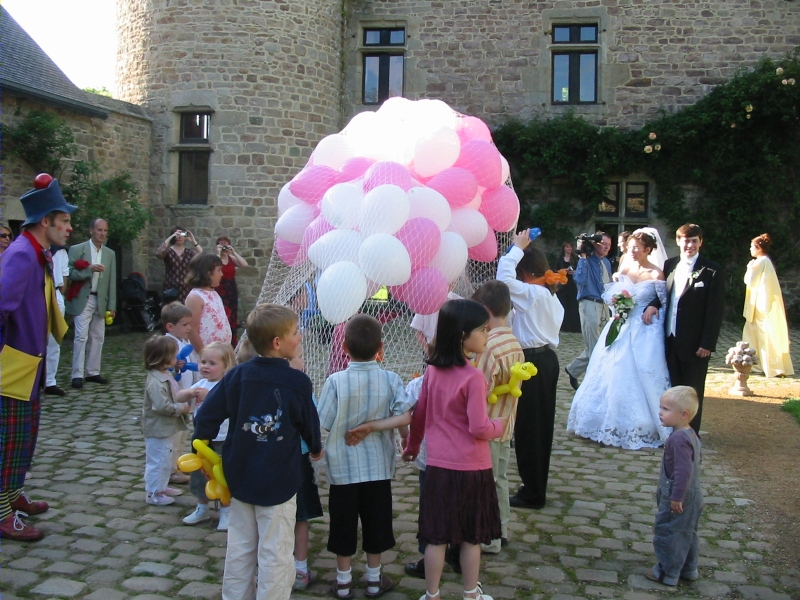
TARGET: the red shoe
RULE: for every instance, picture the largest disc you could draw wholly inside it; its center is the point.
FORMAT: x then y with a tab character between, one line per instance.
24	504
14	528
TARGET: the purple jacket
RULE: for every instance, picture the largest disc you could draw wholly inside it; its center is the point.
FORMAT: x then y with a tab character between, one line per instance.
23	310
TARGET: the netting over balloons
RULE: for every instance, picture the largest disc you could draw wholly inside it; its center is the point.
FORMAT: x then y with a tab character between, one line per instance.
402	208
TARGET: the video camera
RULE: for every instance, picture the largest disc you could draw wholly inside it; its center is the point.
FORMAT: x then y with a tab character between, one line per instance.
586	242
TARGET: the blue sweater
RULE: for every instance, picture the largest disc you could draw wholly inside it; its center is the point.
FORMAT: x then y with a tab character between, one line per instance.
589	277
270	409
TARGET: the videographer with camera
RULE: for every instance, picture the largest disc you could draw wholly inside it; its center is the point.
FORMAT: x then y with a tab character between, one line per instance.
227	288
593	272
177	255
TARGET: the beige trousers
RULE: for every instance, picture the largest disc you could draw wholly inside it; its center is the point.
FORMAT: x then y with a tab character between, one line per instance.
259	564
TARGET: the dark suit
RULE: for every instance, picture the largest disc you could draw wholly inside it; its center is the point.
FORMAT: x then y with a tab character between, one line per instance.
697	324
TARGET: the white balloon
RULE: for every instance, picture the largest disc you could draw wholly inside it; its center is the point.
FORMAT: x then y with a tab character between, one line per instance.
335	246
428	203
384	210
292	224
469	224
430	115
436	152
341	290
340	205
361	134
286	200
504	169
384	259
451	259
333	151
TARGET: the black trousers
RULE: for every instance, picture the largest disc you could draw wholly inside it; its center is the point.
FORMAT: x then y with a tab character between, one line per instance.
691	372
533	433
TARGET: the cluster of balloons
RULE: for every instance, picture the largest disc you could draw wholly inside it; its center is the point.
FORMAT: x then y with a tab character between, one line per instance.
211	464
402	197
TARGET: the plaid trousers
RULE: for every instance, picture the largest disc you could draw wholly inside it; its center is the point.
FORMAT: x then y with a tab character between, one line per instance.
19	428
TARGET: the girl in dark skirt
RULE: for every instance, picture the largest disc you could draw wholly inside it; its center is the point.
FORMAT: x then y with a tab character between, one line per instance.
458	504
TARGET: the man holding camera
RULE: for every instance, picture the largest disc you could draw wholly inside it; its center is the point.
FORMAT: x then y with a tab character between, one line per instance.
593	272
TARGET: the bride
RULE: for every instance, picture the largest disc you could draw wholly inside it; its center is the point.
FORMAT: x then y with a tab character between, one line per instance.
617	402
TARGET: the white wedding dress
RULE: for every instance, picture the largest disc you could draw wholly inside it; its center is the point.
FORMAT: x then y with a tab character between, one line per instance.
617	402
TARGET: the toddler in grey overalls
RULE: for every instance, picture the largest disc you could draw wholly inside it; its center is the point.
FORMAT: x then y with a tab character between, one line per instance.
675	535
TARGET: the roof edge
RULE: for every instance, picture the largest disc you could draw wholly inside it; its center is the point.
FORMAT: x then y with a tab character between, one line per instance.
85	108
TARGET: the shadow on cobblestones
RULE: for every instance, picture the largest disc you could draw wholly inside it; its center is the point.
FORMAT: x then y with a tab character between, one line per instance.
593	540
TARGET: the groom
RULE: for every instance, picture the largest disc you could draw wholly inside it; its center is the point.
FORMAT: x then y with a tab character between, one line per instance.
695	303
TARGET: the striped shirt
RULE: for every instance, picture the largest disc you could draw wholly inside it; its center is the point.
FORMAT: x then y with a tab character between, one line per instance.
502	352
362	392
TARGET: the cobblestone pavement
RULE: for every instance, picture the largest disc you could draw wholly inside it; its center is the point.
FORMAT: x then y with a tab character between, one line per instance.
593	540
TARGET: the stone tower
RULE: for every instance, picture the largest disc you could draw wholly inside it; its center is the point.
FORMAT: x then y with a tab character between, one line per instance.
239	91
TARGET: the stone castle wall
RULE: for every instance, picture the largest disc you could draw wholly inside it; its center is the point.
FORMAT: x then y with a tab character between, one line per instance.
492	59
118	143
271	74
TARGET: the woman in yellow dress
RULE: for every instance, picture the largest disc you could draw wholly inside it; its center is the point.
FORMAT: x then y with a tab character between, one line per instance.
765	326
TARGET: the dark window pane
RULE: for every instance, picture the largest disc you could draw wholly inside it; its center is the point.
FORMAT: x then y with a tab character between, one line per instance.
561	34
610	206
561	78
397	36
372	37
371	79
588	77
396	75
589	34
636	200
194	127
193	178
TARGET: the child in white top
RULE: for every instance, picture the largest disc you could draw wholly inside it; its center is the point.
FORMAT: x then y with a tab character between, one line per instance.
162	417
215	360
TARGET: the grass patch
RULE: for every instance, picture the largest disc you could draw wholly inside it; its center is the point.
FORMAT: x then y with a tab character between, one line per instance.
792	406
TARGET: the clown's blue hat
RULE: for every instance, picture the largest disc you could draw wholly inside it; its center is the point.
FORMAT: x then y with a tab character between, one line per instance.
40	203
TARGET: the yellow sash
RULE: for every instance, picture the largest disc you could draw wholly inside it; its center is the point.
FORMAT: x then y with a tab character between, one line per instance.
17	369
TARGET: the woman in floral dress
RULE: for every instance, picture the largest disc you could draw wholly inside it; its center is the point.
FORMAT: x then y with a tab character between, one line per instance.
209	321
177	256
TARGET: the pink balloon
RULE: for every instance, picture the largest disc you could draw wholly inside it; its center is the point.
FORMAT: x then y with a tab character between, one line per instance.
458	185
482	160
314	231
500	207
422	239
472	128
311	183
354	168
291	254
486	251
425	291
387	173
397	291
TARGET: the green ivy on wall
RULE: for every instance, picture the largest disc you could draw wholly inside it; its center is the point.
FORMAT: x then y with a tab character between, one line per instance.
738	148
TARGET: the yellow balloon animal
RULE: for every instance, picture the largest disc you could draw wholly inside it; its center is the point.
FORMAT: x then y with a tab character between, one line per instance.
211	464
519	372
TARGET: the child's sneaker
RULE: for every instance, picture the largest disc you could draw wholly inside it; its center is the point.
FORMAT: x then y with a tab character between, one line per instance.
158	499
303	580
198	516
169	491
224	517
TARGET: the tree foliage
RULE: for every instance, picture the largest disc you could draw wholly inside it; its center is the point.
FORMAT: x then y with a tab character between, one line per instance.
46	142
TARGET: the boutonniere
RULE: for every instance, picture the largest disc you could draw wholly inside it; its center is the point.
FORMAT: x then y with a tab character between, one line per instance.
695	274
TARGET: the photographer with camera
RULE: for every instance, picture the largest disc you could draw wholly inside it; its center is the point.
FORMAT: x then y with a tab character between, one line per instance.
177	256
593	272
227	288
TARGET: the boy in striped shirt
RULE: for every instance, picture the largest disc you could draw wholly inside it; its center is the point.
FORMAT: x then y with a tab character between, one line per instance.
502	352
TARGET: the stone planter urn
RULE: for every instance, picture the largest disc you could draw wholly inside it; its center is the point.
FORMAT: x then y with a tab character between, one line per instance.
742	358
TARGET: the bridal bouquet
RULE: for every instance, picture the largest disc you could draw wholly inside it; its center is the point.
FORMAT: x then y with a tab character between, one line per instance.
622	304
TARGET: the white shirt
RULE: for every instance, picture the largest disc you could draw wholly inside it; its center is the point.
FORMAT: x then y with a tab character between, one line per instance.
97	255
223	428
537	312
60	274
679	282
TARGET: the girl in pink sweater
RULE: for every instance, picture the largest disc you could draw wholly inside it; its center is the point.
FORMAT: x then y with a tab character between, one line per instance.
459	502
